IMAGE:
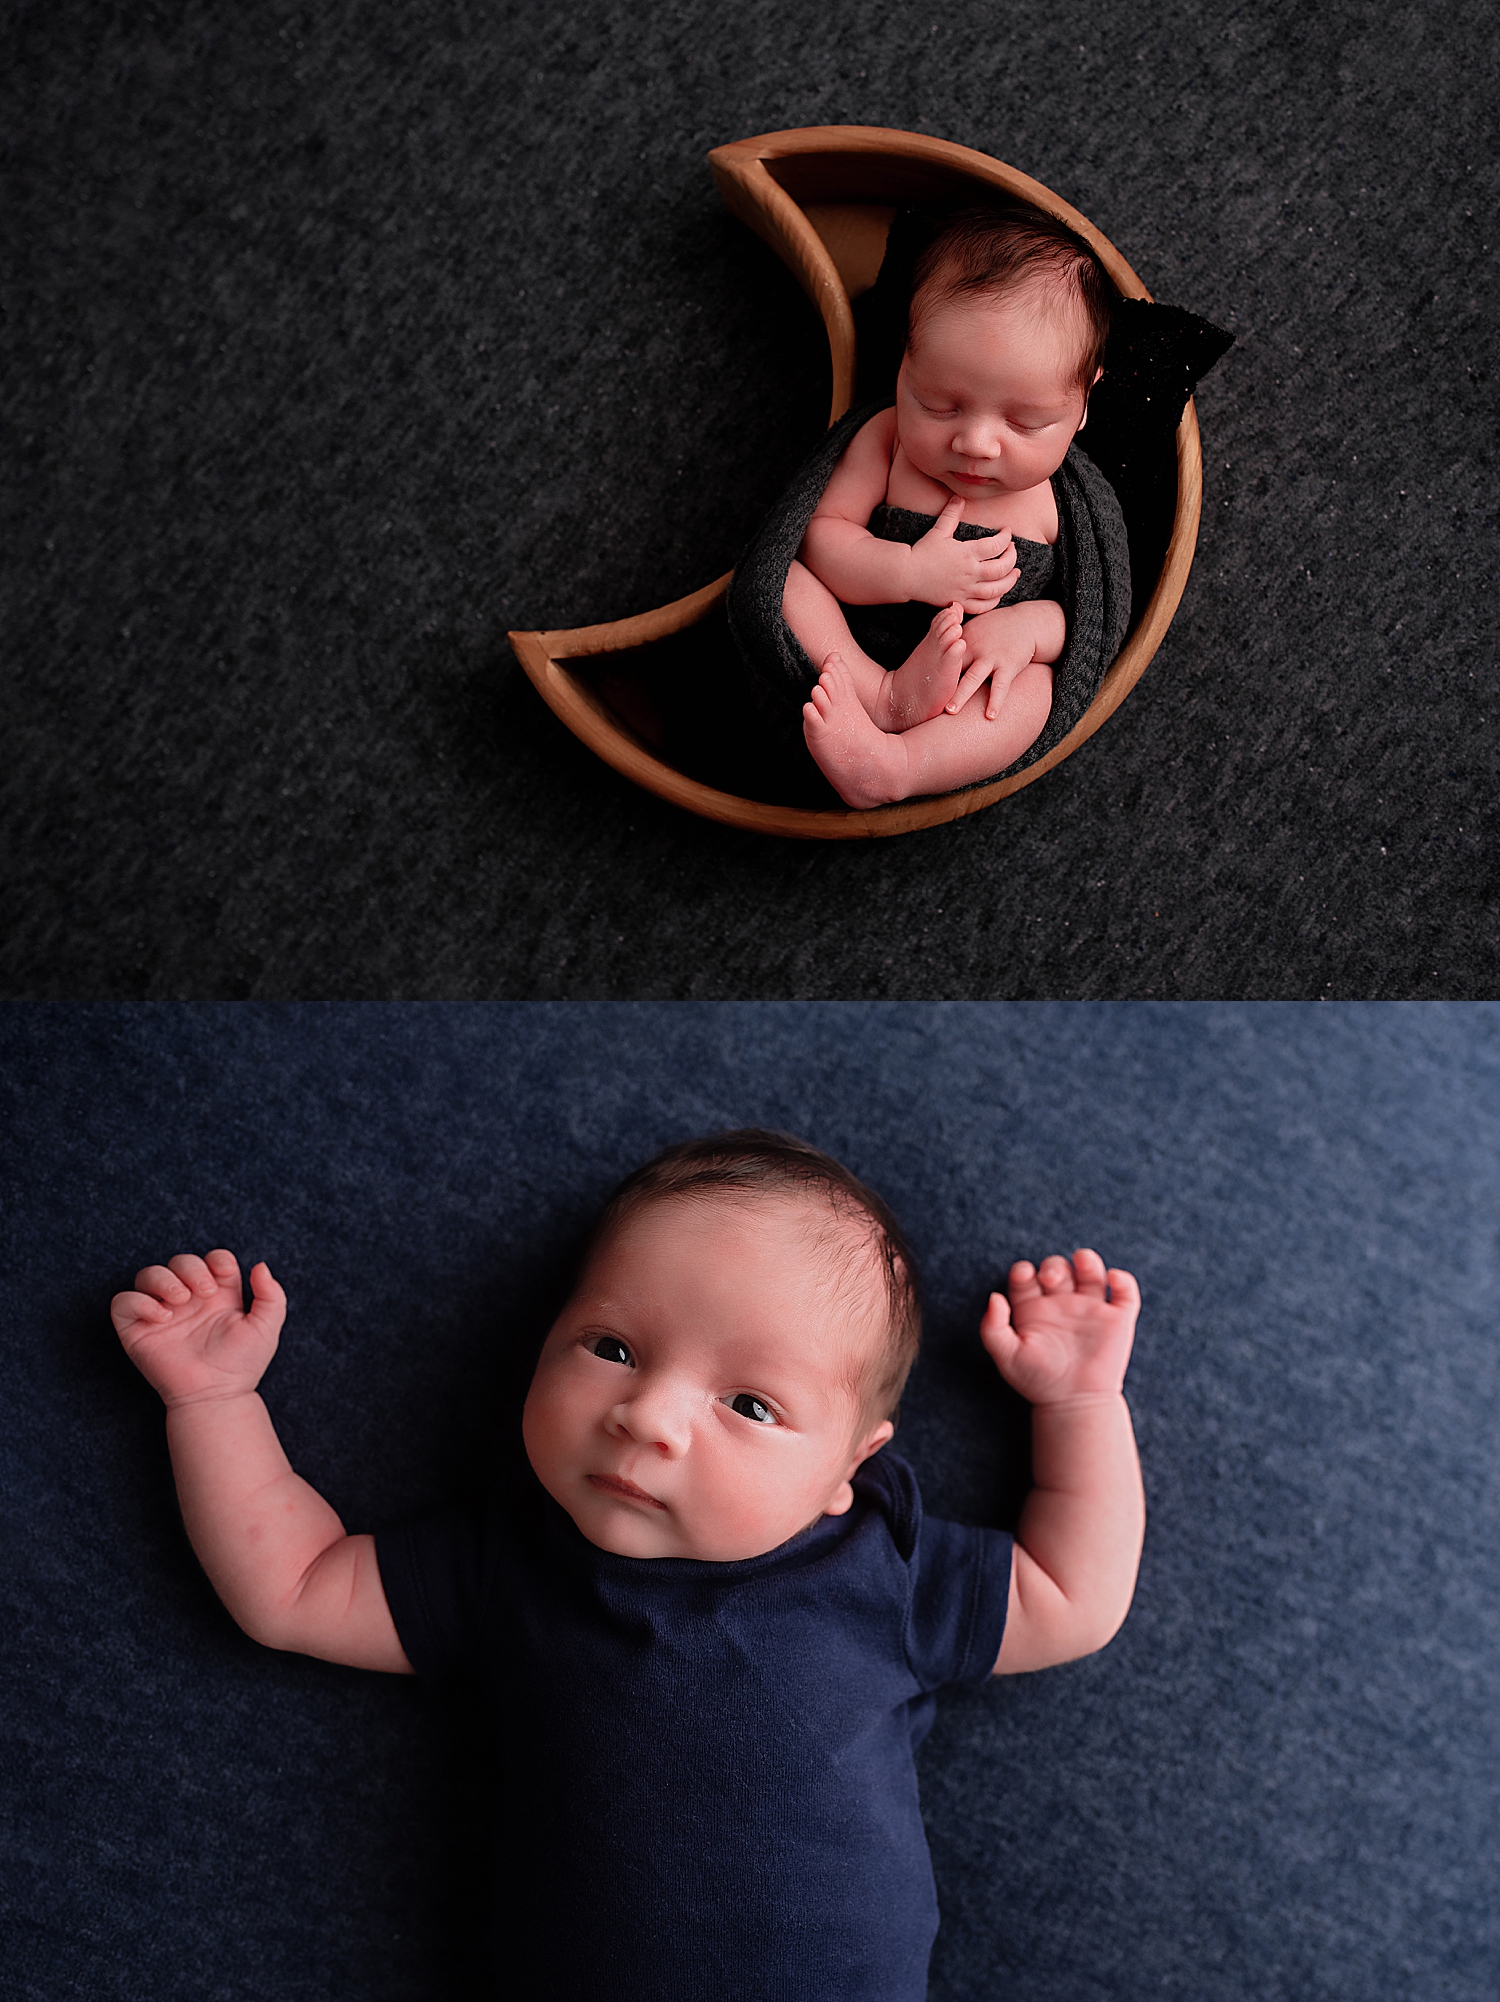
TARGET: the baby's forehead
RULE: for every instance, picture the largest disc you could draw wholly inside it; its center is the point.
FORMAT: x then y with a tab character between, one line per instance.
833	1245
1053	310
829	1230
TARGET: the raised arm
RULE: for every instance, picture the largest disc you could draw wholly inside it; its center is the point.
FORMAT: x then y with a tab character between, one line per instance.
1063	1341
274	1551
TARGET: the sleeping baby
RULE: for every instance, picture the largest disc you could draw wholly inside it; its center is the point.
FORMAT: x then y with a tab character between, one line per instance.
947	500
706	1604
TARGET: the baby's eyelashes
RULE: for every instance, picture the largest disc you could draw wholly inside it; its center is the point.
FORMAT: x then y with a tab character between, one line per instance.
753	1408
609	1349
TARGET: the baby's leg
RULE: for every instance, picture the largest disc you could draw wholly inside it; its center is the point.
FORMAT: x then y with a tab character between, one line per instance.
919	688
870	767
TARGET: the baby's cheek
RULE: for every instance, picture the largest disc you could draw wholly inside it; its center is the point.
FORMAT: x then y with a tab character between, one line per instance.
762	1508
546	1426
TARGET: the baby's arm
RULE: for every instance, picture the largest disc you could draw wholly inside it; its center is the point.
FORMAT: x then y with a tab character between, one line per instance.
274	1551
1063	1342
862	569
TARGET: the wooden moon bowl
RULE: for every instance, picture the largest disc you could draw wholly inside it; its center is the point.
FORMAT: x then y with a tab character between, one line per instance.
823	199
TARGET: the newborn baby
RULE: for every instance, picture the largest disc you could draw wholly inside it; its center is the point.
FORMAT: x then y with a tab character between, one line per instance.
1009	316
710	1613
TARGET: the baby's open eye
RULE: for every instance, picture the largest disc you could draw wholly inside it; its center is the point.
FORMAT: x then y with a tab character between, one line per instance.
752	1407
609	1350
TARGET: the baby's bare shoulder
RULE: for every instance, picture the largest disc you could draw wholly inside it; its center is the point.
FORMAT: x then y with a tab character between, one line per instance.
875	440
858	482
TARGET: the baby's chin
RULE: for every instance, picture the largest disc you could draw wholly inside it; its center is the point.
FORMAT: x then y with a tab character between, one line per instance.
624	1532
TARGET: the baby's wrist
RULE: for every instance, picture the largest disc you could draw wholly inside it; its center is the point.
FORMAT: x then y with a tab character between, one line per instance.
1080	1400
189	1400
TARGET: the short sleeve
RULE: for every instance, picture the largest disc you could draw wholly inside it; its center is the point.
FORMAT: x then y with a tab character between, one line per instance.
960	1591
433	1572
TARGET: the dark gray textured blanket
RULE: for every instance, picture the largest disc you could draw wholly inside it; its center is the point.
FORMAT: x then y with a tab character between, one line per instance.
1091	581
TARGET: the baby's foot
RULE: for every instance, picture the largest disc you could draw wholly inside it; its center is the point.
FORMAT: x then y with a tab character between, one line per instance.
925	682
865	765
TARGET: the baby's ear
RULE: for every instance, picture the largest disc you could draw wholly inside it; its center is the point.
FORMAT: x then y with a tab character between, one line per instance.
882	1433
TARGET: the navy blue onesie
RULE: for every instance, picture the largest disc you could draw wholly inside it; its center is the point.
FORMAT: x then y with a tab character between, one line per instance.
709	1784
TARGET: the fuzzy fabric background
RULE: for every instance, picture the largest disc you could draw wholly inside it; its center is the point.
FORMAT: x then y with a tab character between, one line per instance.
338	341
1279	1782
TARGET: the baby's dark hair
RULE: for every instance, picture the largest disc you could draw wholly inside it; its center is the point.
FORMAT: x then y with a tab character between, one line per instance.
756	1162
995	247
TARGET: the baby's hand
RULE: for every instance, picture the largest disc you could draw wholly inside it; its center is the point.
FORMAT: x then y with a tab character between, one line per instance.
186	1330
995	655
1060	1336
975	574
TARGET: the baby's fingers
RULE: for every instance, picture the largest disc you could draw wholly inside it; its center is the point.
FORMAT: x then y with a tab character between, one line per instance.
130	1310
162	1284
972	678
1000	1339
992	573
1055	1274
268	1308
1123	1291
1088	1271
1022	1281
943	529
195	1275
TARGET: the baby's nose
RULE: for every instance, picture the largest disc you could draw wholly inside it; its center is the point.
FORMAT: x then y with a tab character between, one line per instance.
977	441
654	1416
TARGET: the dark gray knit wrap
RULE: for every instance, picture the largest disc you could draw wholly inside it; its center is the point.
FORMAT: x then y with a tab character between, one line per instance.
1091	581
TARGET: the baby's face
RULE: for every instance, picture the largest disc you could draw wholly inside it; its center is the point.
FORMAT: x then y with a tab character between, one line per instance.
988	400
696	1397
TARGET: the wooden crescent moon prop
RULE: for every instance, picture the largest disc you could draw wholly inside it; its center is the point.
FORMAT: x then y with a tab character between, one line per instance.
823	199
